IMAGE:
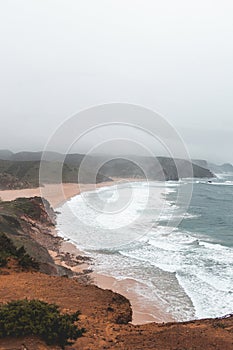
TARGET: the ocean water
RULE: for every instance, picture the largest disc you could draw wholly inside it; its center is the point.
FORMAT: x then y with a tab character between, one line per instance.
185	266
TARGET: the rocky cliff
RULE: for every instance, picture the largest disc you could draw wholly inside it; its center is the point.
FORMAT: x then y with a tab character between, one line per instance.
27	223
160	168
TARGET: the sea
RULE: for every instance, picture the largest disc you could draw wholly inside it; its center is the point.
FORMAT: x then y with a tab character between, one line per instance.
179	248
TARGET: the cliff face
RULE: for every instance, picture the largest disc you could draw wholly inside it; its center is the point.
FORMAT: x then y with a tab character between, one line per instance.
185	169
26	222
161	168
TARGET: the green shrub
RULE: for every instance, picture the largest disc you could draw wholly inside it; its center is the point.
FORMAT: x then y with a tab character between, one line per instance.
27	262
3	260
21	252
7	249
6	245
23	317
24	205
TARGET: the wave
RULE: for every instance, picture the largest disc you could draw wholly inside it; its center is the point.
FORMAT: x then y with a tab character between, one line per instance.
208	301
226	183
203	269
180	269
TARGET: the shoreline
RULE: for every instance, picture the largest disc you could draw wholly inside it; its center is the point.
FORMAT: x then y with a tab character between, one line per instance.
68	253
143	311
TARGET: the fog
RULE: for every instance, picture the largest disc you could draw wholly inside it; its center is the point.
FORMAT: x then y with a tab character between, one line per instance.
175	57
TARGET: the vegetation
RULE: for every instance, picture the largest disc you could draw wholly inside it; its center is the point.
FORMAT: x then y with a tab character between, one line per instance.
7	249
25	260
3	261
23	205
23	317
25	174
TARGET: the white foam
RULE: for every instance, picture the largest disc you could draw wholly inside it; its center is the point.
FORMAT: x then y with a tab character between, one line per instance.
207	300
203	269
226	183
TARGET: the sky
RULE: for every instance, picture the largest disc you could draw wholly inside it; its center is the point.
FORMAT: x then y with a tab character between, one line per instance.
58	57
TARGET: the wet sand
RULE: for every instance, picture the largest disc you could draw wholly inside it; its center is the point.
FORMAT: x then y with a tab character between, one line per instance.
144	311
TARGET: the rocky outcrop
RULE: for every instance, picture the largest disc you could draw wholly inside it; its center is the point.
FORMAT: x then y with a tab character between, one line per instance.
27	223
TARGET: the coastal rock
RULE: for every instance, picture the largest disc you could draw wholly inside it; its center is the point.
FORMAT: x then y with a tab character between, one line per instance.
27	223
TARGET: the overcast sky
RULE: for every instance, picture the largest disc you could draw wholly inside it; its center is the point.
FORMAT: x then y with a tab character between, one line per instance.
173	56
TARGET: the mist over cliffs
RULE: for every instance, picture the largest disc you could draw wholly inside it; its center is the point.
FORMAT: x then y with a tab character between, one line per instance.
21	170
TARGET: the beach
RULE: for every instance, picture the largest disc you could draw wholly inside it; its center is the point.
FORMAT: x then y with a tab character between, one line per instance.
142	313
56	194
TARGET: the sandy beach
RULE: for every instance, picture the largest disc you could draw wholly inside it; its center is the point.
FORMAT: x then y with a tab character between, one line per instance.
57	195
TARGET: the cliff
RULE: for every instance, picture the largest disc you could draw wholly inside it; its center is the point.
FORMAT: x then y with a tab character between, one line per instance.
22	168
161	168
184	166
26	223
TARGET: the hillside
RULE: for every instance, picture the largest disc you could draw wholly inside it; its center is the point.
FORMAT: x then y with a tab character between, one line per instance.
21	170
102	314
25	174
11	182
